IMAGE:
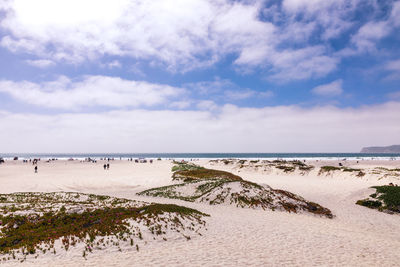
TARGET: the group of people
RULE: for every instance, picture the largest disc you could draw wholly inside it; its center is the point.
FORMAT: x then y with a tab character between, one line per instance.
106	166
142	161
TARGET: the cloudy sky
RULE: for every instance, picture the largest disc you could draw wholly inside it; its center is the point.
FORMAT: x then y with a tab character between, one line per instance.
199	75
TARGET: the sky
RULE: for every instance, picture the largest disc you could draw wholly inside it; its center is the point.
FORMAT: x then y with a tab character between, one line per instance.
126	76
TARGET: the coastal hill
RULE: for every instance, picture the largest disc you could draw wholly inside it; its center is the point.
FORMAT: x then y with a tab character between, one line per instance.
381	149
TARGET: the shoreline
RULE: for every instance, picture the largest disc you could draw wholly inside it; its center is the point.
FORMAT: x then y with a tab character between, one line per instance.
203	156
128	158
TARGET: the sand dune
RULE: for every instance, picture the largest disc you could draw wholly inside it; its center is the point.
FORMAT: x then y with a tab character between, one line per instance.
357	236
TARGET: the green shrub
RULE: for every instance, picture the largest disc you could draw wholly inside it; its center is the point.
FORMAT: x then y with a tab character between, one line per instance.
390	196
374	204
386	198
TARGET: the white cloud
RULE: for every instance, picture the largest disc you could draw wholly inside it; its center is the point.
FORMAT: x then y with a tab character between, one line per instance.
206	105
239	95
224	89
298	31
332	17
183	35
40	63
231	129
180	35
368	35
114	64
395	14
180	104
246	93
90	91
331	89
393	67
26	45
211	87
302	64
5	5
310	6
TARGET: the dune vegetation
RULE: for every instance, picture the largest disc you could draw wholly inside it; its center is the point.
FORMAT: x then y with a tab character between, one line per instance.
36	223
287	166
198	184
386	199
329	169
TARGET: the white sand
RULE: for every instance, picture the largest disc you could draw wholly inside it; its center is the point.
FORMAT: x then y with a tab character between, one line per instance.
357	236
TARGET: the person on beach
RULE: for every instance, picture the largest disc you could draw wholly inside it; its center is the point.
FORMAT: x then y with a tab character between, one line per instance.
108	166
105	166
35	169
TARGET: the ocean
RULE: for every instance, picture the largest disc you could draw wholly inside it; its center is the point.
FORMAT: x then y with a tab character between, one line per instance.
271	156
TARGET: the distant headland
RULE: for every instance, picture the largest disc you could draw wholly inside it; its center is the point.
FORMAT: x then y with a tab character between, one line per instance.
381	149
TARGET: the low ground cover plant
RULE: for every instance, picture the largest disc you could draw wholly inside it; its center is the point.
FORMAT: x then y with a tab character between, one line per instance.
386	199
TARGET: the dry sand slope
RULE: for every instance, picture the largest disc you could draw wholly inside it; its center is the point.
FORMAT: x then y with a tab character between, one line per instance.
357	236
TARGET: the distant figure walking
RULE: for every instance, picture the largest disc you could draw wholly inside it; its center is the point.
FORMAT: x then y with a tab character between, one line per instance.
108	166
35	169
105	166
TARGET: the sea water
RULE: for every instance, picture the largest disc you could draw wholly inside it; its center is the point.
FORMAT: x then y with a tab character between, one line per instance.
267	156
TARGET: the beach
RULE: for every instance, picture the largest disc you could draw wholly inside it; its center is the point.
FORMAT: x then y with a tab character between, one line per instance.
356	236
